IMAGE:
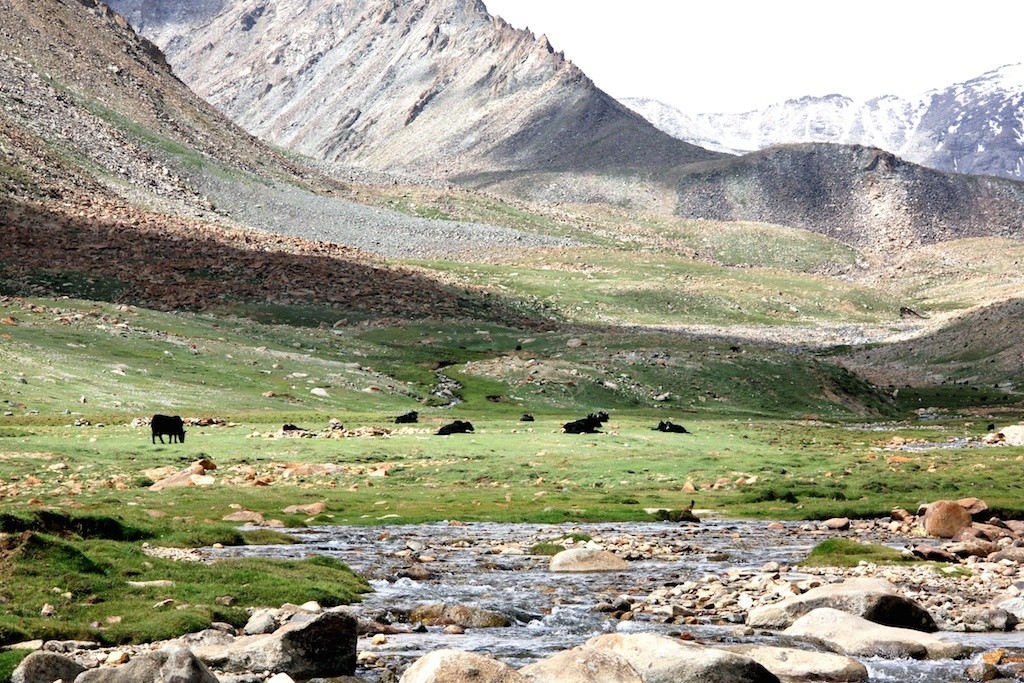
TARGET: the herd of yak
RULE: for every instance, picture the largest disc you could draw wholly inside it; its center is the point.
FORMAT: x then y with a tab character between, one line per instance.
173	427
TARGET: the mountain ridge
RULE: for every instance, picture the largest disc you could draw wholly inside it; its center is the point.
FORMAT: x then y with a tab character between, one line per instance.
975	127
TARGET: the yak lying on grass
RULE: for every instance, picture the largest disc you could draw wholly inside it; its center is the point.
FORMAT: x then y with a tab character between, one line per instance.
457	427
588	425
172	426
408	418
666	426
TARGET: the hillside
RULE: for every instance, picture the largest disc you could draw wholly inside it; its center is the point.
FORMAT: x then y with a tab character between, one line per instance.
971	127
861	196
440	89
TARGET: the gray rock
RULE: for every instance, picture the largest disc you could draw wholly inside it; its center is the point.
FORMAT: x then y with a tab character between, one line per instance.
854	636
324	646
261	622
792	665
586	560
582	665
660	659
46	667
456	666
872	599
170	665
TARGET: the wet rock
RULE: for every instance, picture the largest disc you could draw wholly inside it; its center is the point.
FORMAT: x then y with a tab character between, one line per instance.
439	614
837	524
46	667
933	554
665	660
456	666
854	636
582	665
586	560
873	599
791	664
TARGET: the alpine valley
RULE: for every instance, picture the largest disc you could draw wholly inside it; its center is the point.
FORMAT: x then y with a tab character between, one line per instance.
385	258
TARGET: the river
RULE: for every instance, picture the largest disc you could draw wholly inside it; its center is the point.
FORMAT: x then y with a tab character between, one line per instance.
483	565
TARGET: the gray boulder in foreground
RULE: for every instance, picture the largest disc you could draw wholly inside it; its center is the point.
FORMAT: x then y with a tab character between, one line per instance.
660	659
854	636
171	664
876	600
582	665
456	666
792	665
586	560
46	667
323	646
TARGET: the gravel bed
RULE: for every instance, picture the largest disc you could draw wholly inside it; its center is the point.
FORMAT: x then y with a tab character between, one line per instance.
288	210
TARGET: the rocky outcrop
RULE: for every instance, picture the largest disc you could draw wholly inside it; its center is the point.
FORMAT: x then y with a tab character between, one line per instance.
876	600
854	636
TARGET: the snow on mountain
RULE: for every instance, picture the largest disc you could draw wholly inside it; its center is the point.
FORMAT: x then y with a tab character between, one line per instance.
976	127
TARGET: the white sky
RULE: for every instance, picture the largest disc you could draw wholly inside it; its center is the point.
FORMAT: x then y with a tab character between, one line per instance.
738	55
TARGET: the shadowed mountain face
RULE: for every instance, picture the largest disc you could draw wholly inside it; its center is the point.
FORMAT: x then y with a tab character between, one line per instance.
437	88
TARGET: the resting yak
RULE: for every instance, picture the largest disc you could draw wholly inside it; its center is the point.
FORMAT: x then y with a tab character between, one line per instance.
172	426
408	418
457	427
587	425
671	427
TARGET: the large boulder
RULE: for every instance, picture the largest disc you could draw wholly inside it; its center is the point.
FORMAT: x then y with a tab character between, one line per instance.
168	665
456	666
874	599
792	665
848	634
582	665
46	667
660	659
439	613
945	518
586	560
323	645
1014	435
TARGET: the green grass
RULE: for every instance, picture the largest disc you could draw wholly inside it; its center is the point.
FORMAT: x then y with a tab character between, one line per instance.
646	288
843	552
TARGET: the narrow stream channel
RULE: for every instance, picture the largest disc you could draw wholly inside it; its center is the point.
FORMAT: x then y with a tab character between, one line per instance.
482	565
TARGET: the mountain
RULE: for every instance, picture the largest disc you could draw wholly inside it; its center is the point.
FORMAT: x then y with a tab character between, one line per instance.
976	127
106	162
439	88
859	195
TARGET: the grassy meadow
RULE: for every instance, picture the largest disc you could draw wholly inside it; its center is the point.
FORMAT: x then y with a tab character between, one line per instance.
776	430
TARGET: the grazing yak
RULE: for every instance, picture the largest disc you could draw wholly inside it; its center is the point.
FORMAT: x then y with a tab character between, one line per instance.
457	427
408	418
666	426
587	425
172	426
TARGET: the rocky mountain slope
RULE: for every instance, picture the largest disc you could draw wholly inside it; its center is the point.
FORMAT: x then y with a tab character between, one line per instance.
975	127
859	195
105	163
437	88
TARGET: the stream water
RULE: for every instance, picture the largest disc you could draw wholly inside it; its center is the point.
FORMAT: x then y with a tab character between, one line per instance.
482	565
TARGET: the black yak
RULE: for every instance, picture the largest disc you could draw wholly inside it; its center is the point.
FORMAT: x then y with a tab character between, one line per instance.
587	425
172	426
457	427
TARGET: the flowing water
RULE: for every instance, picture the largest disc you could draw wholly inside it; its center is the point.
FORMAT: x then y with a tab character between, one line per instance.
481	565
